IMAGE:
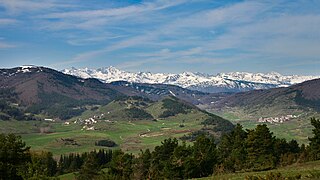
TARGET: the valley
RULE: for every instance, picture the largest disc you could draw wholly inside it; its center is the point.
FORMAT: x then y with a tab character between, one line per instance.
129	135
139	115
159	89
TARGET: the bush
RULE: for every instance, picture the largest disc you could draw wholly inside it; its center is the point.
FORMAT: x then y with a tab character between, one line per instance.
137	113
106	143
174	107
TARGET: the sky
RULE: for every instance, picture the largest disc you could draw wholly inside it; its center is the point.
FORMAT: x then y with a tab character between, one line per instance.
208	36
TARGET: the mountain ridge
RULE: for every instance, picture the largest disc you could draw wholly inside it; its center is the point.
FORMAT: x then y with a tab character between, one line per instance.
40	89
298	99
222	82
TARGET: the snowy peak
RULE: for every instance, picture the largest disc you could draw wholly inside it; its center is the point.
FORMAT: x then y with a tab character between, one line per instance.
222	82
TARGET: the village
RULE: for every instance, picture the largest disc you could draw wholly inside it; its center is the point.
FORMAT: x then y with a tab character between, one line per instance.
280	119
88	124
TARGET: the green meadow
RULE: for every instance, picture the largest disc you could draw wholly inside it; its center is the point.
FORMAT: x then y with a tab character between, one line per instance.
131	136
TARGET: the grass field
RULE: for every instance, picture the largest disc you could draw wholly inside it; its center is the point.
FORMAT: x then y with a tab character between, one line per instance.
309	170
69	176
130	133
131	136
299	129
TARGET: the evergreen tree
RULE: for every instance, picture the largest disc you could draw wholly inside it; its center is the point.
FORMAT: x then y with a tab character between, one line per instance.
14	156
182	161
231	150
260	149
175	166
142	165
204	156
42	166
121	165
90	169
294	146
315	140
161	158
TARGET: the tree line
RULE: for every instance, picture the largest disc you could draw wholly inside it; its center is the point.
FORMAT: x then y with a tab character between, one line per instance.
240	150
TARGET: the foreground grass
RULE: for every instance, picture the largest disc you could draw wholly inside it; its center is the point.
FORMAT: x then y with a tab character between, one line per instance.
309	170
69	176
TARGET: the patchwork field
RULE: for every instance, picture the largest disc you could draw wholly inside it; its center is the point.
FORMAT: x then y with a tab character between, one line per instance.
131	136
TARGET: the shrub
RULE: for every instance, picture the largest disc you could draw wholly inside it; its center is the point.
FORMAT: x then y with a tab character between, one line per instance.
106	143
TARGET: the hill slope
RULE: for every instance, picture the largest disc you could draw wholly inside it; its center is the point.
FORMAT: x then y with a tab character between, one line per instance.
297	99
169	110
44	90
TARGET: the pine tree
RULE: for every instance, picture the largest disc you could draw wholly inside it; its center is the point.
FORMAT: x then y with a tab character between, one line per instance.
161	158
260	148
204	156
42	166
231	150
90	169
142	165
121	165
14	156
315	140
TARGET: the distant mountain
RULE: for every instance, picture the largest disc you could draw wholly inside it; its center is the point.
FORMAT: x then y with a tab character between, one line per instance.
299	99
43	90
222	82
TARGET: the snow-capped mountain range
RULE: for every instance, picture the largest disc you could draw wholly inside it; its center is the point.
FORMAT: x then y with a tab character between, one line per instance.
222	82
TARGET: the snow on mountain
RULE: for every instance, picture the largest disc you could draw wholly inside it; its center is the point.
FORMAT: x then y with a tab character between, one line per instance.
222	82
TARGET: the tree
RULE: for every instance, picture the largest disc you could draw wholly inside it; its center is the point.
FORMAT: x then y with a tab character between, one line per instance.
121	165
41	166
294	146
161	157
231	150
260	149
142	165
14	156
315	140
204	156
90	169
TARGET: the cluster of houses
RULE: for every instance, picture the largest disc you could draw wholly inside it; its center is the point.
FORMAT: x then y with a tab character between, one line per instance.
280	119
89	121
88	124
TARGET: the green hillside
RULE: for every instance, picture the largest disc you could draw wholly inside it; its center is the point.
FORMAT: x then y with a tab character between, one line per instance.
133	123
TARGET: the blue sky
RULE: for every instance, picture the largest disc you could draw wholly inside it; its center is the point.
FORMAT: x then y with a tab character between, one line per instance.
209	36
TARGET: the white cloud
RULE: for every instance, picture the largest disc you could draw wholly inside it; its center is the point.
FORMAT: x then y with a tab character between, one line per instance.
5	45
7	21
92	19
20	6
78	41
